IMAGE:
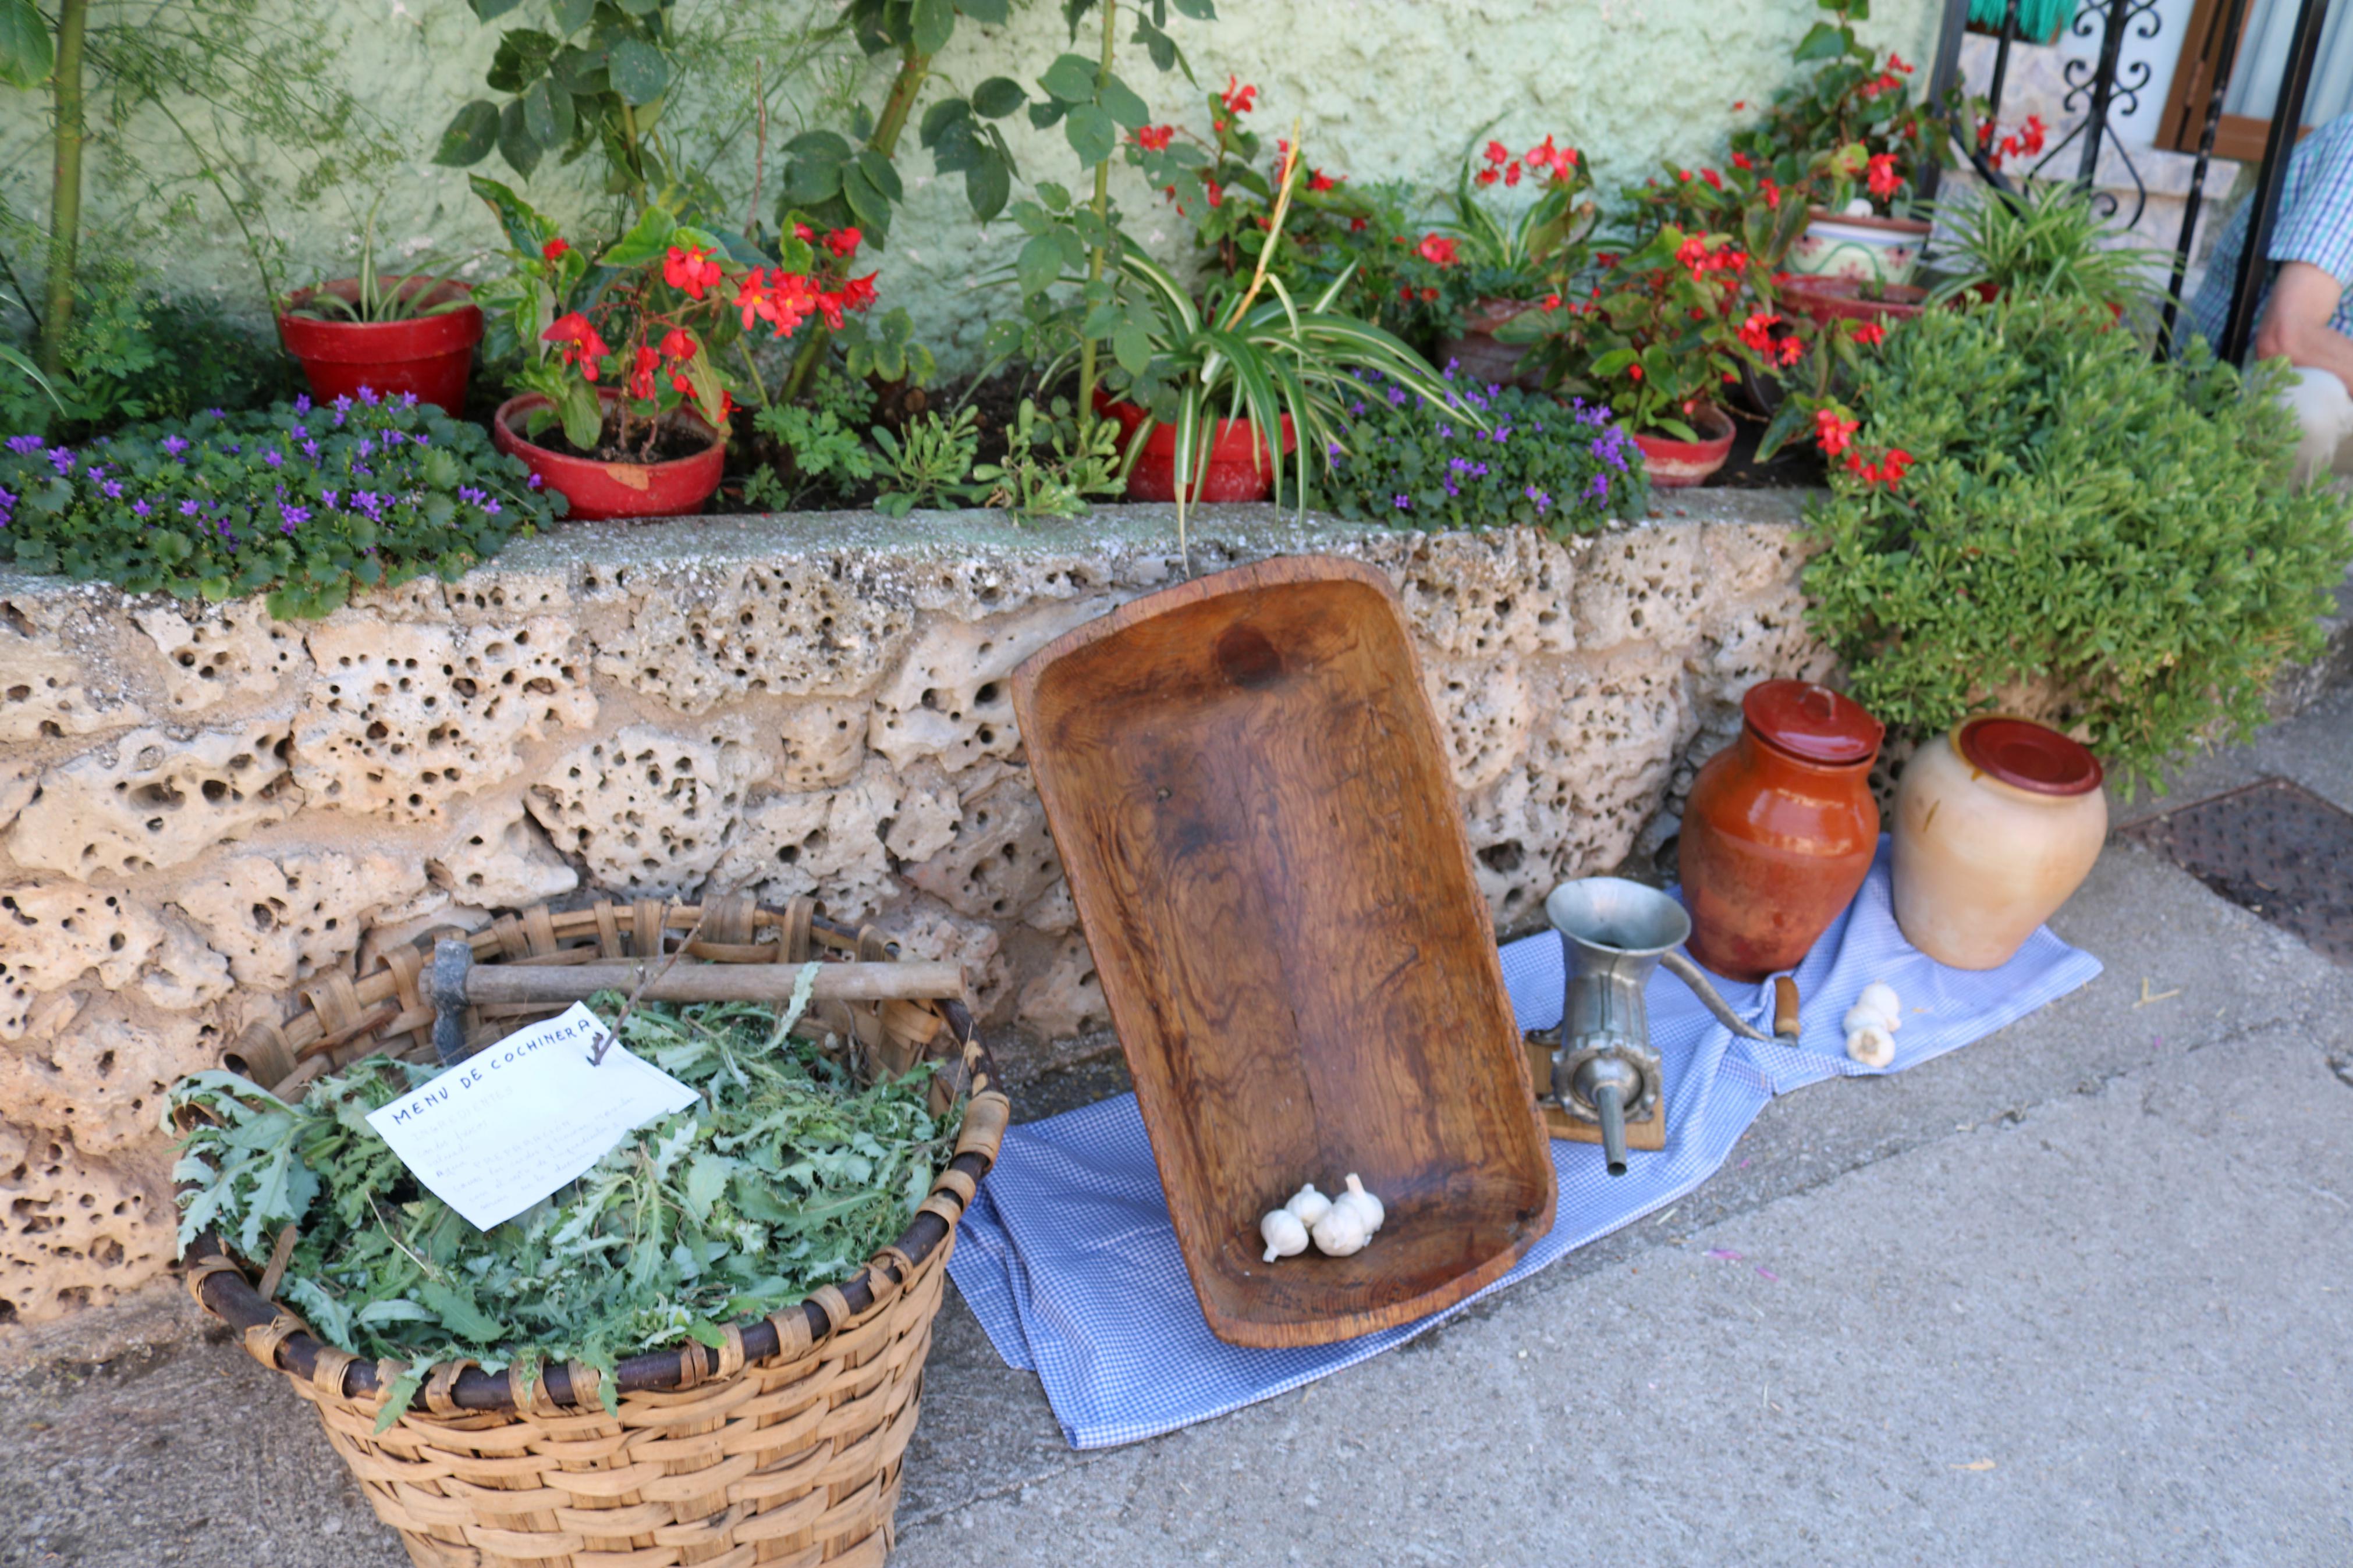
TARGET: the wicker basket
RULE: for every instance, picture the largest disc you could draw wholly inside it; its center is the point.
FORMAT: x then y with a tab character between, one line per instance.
782	1447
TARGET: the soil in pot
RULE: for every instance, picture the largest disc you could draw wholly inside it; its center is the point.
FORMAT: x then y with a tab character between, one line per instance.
429	356
1828	299
671	441
622	487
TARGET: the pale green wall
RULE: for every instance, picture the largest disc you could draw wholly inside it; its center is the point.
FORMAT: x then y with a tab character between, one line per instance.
1384	87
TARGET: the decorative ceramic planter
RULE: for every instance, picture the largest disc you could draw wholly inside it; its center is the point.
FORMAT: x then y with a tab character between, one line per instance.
1239	469
428	355
1477	355
604	492
1780	829
1828	299
1677	465
1996	826
1873	249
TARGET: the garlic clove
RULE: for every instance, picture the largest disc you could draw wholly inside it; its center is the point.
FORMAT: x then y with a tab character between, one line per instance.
1285	1236
1872	1045
1862	1017
1880	997
1309	1204
1374	1210
1341	1231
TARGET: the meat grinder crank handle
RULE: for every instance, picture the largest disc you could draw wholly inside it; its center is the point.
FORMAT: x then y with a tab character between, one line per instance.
1785	1002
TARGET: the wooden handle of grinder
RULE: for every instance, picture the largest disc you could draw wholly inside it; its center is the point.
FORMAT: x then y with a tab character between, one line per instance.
1784	1007
712	982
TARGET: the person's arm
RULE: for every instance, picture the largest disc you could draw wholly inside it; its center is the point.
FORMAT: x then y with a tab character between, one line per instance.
2295	322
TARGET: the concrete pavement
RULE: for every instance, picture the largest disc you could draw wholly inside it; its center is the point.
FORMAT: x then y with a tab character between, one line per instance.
2080	1293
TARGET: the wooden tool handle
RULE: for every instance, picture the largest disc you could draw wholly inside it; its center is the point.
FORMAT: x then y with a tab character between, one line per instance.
713	982
1784	1007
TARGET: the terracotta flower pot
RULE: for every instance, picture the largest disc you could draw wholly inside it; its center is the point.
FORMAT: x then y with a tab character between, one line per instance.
1676	465
602	492
1780	829
1867	249
1478	358
1997	824
428	355
1828	299
1239	469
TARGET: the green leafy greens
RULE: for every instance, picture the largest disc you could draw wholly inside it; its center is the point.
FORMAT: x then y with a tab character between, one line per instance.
786	1177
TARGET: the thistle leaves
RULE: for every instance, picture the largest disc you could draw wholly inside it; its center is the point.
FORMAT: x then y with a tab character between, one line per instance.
785	1177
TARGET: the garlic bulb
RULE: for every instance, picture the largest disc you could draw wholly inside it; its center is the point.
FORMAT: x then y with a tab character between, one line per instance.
1285	1237
1871	1045
1369	1206
1341	1231
1309	1204
1880	997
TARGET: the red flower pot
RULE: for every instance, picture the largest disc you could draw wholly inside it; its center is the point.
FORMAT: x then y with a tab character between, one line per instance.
1828	299
1238	468
605	492
429	355
1676	465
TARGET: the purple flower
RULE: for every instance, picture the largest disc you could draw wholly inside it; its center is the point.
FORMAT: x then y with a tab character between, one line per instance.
1396	397
292	517
187	509
310	449
20	445
274	457
1446	432
1404	502
534	482
472	496
62	460
172	445
329	496
491	507
302	403
368	397
408	400
215	414
143	509
366	448
1542	499
113	489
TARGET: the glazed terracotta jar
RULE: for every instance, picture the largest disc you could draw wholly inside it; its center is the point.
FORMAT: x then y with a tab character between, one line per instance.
1780	829
1996	825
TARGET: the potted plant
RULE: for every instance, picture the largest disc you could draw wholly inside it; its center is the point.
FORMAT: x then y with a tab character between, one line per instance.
2047	238
1248	347
1493	266
1668	327
1860	109
414	334
622	404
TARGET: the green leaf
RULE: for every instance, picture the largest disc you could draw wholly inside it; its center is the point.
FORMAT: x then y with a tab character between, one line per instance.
573	14
640	73
867	203
1199	10
547	113
1132	346
988	13
1823	41
1039	265
934	25
988	184
470	136
26	54
457	1312
1091	134
1071	80
998	97
936	119
648	238
516	144
490	10
1121	102
882	173
583	414
522	57
1044	113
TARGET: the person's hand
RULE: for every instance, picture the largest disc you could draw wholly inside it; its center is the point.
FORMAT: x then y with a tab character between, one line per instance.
2296	326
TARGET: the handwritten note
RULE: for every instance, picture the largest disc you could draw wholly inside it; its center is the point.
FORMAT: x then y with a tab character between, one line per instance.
515	1121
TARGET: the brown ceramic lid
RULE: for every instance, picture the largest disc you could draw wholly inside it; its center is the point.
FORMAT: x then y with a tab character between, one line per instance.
2027	755
1811	723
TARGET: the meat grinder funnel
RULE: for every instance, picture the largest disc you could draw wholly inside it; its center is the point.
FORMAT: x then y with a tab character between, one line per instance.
1613	933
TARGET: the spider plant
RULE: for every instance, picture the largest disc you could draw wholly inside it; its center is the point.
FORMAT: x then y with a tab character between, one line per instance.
2045	240
403	298
1245	347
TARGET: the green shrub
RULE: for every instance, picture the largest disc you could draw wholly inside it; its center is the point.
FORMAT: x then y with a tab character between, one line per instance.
1408	462
2102	541
304	501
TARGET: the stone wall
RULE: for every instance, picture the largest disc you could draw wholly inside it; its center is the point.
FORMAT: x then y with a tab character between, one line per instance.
202	809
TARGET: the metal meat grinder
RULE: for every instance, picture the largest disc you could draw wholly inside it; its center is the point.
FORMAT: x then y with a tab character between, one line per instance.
1613	933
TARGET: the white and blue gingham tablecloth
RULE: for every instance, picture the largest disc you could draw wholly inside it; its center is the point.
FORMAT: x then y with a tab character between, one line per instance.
1069	1260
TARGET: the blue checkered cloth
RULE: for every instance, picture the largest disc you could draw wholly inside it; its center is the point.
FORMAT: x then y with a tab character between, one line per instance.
2315	226
1069	1261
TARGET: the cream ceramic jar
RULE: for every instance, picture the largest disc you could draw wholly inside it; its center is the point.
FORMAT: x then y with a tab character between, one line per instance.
1996	825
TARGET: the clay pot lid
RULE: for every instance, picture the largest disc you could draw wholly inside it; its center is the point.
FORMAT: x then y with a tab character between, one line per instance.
2026	755
1811	723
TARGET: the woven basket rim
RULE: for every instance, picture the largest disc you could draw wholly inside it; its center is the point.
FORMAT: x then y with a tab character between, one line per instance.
279	1339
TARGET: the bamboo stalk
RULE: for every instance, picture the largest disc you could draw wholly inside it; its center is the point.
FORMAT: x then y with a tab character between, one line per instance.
496	982
64	185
